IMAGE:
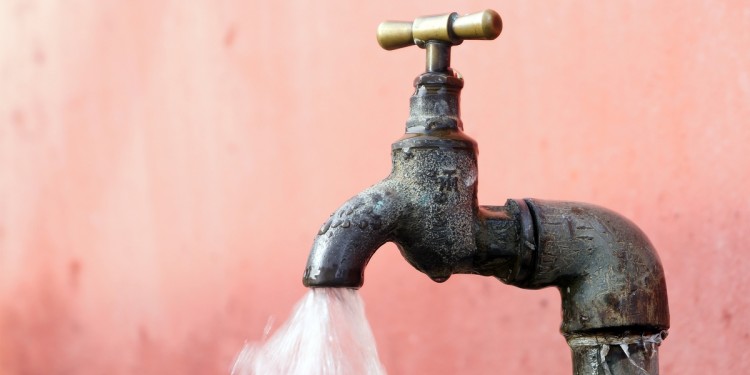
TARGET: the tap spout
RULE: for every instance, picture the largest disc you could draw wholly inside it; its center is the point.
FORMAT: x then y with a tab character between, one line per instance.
352	234
427	206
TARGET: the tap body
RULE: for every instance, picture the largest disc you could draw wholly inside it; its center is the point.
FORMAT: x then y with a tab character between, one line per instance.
610	278
606	269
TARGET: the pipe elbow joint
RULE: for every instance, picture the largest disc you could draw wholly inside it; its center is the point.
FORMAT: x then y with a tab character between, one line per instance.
606	269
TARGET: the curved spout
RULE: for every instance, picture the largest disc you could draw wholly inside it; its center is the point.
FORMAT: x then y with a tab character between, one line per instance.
426	206
351	236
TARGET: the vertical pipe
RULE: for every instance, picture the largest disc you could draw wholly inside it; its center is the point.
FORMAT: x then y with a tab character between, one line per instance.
438	56
615	355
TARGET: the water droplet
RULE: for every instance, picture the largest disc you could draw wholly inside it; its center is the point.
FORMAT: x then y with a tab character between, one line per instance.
439	279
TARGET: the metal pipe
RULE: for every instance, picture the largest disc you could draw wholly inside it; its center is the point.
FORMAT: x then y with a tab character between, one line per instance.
438	56
614	297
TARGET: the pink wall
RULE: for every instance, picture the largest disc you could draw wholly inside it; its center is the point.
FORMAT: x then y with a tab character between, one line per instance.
165	165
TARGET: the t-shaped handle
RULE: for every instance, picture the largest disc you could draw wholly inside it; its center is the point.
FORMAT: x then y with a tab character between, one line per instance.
446	28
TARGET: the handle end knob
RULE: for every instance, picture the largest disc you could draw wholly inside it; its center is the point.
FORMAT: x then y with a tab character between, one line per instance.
485	25
395	34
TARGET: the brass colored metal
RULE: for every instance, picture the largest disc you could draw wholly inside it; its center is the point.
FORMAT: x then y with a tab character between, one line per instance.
484	25
615	310
449	28
434	28
395	34
438	56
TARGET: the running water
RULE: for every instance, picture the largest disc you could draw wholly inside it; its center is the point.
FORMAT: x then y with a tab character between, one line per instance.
327	334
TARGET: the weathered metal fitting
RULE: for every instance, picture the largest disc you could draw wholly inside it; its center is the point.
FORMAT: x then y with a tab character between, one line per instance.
505	242
350	236
430	81
616	354
435	104
525	265
611	281
608	273
449	140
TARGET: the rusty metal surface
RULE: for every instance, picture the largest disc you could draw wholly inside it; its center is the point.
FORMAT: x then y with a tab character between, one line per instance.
625	354
606	269
610	278
347	240
427	205
505	242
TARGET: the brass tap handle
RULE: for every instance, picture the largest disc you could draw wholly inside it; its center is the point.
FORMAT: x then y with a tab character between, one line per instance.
450	28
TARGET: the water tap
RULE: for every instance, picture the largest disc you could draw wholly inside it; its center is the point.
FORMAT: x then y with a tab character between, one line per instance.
608	274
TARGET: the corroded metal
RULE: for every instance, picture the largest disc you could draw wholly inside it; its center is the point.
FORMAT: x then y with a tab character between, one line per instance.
606	269
614	297
426	206
605	354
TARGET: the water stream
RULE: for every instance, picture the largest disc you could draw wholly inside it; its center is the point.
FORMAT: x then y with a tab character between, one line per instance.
327	334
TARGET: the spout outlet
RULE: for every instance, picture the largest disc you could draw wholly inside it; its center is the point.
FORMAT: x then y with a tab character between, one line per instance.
348	239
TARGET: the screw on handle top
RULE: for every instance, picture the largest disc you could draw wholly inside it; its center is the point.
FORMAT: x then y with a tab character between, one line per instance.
447	28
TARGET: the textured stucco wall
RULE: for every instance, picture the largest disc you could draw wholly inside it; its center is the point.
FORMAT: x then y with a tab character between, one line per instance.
164	166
